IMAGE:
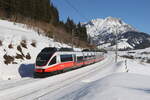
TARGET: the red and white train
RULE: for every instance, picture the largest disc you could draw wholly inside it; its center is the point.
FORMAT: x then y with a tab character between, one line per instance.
53	61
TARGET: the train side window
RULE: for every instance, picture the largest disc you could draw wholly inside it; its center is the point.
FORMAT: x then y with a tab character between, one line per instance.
79	58
53	61
66	58
86	56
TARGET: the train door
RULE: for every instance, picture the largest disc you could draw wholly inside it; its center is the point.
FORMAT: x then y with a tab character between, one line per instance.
74	59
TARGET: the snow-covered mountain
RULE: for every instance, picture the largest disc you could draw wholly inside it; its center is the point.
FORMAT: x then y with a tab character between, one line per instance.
103	33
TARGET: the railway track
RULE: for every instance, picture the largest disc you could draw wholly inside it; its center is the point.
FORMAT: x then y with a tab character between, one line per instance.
16	83
51	84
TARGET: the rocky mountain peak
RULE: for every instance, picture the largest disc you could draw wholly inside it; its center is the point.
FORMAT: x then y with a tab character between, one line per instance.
108	25
103	31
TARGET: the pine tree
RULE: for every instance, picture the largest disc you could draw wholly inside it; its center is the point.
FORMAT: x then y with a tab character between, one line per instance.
54	15
81	32
70	25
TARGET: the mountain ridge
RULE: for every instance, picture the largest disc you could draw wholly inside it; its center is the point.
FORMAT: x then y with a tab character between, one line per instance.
104	31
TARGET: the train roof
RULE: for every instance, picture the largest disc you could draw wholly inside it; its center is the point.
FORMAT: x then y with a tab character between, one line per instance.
53	49
49	49
66	49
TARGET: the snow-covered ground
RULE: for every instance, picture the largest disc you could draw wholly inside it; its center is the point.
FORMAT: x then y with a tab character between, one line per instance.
128	79
120	86
105	80
122	44
136	66
141	55
43	88
16	40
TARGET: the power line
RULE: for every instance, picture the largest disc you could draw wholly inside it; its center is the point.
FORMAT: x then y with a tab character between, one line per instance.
73	7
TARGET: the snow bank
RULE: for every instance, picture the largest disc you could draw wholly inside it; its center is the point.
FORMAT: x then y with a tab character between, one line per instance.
137	61
137	67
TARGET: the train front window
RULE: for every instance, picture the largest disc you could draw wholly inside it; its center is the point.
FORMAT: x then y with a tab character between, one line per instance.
53	61
43	58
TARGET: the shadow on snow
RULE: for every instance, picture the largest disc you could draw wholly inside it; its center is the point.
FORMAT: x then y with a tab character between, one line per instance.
26	70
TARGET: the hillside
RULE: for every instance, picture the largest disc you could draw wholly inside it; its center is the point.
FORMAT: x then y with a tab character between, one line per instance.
19	47
42	14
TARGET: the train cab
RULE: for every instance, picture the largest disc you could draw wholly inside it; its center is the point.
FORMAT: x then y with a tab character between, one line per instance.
45	57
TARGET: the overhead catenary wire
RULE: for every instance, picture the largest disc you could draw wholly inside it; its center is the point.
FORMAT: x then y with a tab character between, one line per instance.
75	9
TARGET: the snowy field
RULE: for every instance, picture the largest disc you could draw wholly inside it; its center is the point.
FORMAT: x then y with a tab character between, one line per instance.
128	79
142	55
137	61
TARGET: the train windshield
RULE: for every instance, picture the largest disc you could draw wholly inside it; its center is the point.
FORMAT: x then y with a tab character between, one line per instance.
44	56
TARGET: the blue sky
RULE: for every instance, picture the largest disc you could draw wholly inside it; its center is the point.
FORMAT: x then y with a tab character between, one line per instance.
134	12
